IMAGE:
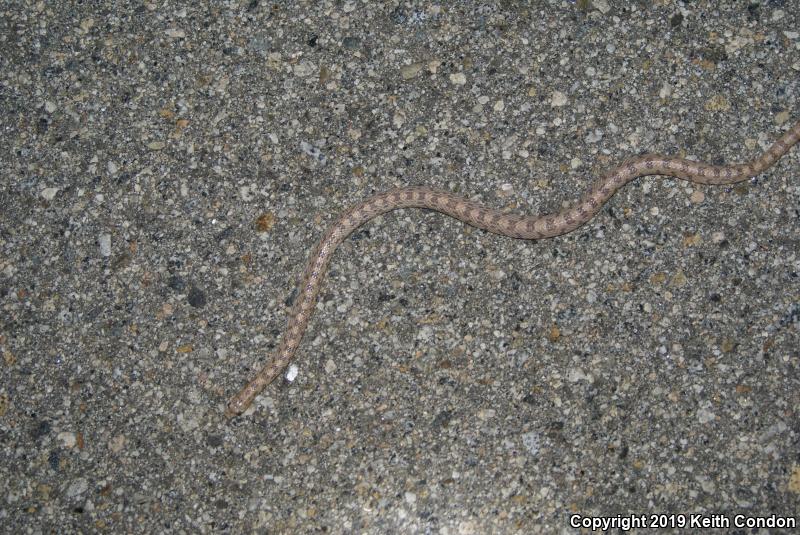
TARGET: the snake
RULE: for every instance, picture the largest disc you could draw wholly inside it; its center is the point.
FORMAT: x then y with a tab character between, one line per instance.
525	227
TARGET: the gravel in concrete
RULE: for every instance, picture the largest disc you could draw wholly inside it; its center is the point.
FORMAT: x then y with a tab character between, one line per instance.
165	170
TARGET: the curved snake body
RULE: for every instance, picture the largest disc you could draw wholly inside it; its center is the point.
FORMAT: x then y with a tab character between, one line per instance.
515	226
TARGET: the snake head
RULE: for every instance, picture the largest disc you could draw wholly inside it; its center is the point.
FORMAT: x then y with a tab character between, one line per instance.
233	409
241	401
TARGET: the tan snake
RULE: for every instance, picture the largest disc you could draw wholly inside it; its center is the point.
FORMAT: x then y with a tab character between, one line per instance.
472	213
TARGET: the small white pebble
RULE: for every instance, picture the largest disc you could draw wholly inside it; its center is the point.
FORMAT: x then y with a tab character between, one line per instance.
602	6
458	78
697	197
292	373
558	99
575	375
105	244
304	69
594	136
532	442
486	414
77	487
410	71
117	443
49	193
68	439
705	416
245	194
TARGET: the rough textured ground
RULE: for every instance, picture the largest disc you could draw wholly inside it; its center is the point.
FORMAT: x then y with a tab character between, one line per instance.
164	171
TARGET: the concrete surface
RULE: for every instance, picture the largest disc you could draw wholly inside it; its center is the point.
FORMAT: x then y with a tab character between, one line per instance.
165	170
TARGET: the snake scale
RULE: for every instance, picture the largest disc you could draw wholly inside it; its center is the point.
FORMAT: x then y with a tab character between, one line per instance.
514	226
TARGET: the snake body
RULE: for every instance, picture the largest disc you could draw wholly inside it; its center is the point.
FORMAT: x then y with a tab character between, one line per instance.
514	226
